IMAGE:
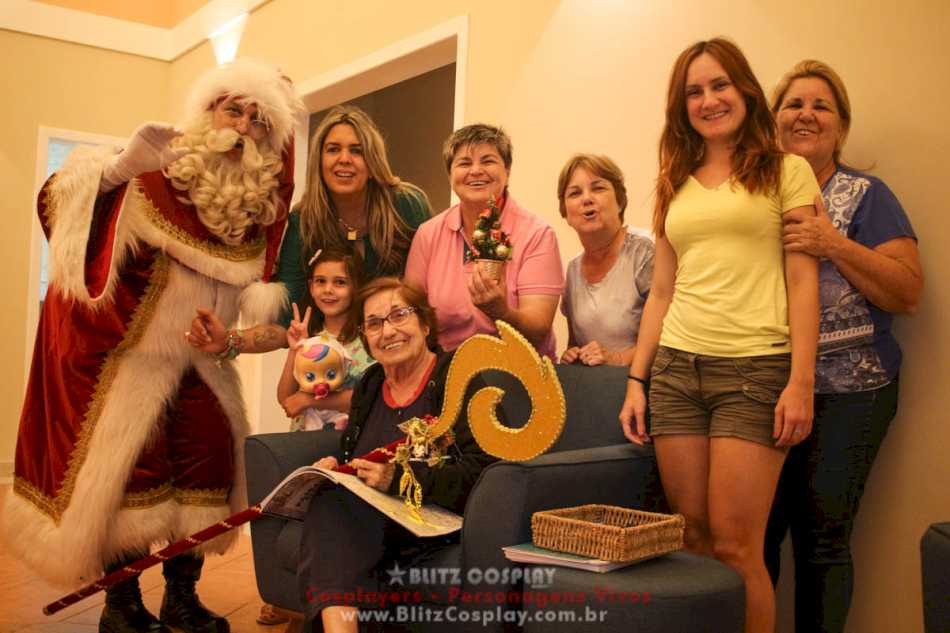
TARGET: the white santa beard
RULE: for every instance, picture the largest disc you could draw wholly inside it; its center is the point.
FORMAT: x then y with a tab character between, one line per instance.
229	195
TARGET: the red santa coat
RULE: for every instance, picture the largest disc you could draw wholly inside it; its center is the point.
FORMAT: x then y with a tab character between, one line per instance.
127	271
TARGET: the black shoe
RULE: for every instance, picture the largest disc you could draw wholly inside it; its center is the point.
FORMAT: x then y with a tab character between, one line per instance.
180	606
124	611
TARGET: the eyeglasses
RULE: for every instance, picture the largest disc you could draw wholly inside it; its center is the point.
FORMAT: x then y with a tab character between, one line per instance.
396	317
256	121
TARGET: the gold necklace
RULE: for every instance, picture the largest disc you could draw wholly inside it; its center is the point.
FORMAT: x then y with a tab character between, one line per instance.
352	234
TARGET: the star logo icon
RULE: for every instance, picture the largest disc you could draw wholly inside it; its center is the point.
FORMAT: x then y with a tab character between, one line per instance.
395	575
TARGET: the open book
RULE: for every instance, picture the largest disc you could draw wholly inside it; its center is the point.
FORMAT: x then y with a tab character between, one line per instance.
528	553
291	499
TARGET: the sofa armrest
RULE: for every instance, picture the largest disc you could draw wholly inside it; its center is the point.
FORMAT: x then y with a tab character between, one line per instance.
499	509
269	457
935	571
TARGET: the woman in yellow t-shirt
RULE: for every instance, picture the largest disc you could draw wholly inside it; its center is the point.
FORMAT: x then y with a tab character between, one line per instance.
728	335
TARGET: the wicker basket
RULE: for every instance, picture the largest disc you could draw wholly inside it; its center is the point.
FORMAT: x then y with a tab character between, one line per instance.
608	532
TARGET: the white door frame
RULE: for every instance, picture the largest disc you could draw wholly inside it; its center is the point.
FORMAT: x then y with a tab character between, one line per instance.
415	55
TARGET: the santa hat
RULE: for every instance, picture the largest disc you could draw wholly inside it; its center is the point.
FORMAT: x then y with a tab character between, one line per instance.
264	85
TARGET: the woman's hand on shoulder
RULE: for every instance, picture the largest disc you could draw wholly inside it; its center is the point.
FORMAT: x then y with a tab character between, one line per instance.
813	234
373	474
793	414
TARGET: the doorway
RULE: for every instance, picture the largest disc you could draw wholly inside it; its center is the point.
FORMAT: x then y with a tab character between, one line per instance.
415	91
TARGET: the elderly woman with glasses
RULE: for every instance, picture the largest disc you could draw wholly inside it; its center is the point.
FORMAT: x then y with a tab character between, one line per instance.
344	537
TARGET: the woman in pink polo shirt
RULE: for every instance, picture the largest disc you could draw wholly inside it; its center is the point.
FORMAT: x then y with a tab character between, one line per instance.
466	299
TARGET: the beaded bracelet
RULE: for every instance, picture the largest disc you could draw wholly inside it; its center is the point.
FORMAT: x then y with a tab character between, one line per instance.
235	344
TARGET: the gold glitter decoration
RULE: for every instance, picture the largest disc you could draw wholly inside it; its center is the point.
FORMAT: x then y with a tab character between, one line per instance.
512	353
422	446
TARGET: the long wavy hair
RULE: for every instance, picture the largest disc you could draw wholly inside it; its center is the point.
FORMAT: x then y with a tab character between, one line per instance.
319	227
757	159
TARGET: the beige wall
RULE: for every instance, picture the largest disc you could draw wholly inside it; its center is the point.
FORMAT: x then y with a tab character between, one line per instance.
55	84
590	75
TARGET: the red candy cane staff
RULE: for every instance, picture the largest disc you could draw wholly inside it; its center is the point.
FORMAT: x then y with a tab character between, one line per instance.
189	542
151	560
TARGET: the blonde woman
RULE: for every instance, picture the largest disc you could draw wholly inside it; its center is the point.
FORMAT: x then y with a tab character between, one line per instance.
869	270
352	202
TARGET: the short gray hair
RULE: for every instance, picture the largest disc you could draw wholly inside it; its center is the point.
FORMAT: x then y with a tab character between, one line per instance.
476	134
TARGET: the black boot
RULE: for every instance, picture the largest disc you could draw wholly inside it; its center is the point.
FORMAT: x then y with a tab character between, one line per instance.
124	611
180	606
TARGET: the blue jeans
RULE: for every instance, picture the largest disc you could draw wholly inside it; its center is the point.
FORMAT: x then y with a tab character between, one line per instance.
817	499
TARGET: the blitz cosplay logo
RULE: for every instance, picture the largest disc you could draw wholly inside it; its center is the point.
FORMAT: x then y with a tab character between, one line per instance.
535	577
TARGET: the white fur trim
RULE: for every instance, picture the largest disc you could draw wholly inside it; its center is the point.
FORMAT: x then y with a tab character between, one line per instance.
165	523
238	273
89	532
262	303
256	81
72	199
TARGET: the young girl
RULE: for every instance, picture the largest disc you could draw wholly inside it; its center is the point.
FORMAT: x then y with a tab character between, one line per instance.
334	279
729	331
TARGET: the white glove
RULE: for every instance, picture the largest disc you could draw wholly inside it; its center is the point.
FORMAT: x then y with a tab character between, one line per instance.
148	150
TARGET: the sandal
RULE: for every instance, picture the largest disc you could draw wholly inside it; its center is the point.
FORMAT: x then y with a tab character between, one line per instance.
269	615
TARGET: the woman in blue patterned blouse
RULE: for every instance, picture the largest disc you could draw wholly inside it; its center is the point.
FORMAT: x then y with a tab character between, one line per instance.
869	270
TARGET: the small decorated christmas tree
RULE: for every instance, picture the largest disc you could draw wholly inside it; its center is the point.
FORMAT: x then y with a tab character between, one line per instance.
489	240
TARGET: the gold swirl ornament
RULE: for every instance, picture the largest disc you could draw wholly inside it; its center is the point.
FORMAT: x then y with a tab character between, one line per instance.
511	353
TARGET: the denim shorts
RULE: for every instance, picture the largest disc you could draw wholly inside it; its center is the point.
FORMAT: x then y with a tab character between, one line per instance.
716	396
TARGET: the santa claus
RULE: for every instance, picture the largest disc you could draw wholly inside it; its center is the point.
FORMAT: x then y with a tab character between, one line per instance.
129	436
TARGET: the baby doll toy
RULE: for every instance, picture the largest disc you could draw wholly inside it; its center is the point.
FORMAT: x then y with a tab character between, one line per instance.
320	367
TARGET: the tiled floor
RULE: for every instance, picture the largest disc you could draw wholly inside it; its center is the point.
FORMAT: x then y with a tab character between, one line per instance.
227	587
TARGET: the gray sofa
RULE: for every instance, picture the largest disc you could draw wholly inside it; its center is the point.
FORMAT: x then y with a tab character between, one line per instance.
590	463
935	572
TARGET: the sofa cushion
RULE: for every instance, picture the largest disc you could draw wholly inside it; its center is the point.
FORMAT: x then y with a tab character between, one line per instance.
678	592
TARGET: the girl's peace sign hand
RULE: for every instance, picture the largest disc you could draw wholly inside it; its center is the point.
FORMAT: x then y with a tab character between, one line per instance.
298	331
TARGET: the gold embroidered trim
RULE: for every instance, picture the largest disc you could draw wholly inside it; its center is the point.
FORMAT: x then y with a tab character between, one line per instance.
148	498
206	498
49	211
140	320
239	253
34	495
